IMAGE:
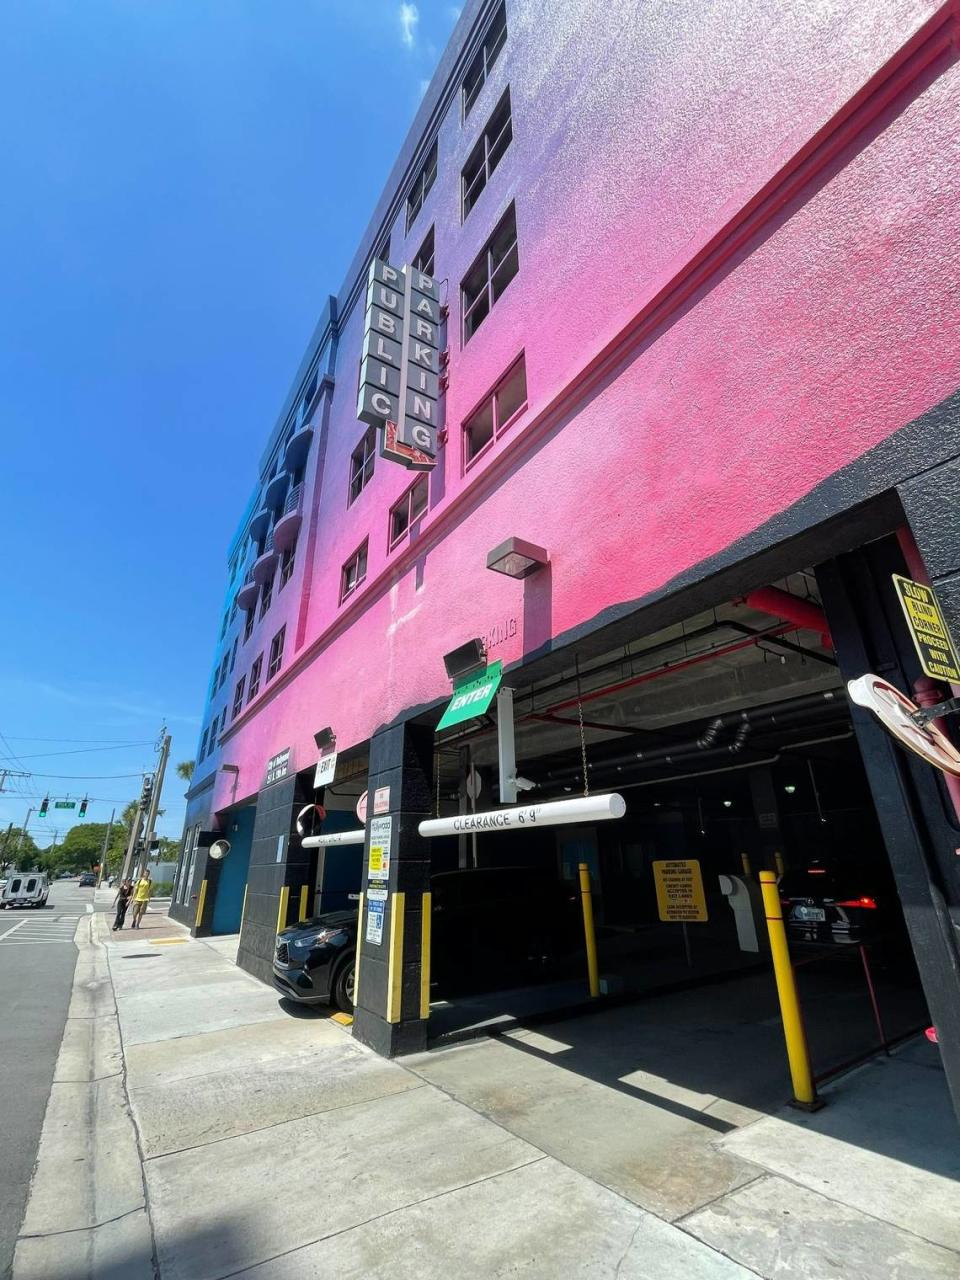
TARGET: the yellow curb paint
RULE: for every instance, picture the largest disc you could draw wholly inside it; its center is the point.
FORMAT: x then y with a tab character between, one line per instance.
344	1019
166	942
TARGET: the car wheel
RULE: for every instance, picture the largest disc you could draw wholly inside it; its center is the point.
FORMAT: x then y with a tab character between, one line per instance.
343	986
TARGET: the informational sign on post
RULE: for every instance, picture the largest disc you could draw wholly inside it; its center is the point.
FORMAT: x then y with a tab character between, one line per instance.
381	833
326	770
680	897
931	638
381	800
376	908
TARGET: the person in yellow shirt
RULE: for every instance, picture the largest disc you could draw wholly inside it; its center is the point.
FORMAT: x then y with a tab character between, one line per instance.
141	896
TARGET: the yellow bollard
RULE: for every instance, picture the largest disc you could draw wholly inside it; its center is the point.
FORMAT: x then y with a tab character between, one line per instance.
304	892
282	909
586	899
745	861
356	963
781	865
804	1090
425	925
243	909
200	904
395	957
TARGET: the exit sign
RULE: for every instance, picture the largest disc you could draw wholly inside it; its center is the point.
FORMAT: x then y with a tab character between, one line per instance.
65	804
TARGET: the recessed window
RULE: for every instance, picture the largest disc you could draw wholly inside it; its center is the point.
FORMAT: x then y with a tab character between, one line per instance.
496	412
494	268
226	623
307	401
266	595
353	573
425	257
361	464
203	745
248	625
286	565
486	155
238	697
233	652
421	185
223	671
255	678
484	59
276	653
411	505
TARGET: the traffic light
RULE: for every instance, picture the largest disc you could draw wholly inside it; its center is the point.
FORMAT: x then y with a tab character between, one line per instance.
147	791
44	806
83	807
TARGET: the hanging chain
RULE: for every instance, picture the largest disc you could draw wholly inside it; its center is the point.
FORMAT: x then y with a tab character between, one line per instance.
583	740
436	770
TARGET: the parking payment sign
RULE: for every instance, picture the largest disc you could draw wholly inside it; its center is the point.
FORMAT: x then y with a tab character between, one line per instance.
376	908
680	896
381	831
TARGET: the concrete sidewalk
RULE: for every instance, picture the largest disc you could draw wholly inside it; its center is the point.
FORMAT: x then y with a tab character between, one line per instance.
198	1131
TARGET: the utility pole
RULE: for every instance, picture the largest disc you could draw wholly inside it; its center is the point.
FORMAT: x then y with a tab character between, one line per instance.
106	845
132	842
23	829
154	802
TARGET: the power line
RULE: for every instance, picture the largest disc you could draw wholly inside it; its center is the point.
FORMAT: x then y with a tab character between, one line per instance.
88	777
115	742
80	751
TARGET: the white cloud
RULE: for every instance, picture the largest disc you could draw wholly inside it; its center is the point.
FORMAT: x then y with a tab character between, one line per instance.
409	17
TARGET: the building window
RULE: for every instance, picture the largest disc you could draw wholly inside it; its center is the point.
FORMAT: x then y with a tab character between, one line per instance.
486	155
307	401
276	652
361	464
255	678
233	653
238	697
411	505
266	595
203	745
421	185
286	566
425	257
496	413
226	623
353	573
248	625
223	671
494	268
486	56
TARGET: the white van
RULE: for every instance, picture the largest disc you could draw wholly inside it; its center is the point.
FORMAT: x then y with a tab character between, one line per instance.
26	889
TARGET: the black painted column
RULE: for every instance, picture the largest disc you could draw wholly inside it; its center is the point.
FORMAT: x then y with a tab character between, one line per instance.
276	860
869	634
392	996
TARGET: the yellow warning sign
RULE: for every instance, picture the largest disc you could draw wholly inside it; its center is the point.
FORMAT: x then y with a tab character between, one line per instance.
680	896
931	638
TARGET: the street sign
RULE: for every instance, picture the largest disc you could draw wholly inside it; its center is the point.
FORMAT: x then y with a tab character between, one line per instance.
931	638
64	804
326	769
679	885
472	696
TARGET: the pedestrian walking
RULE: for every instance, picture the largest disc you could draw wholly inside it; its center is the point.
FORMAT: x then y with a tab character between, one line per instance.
121	902
141	896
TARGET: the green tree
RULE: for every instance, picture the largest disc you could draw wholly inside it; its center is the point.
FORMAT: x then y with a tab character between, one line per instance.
80	848
185	770
21	851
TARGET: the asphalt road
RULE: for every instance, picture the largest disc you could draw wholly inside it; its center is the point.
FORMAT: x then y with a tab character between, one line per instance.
37	960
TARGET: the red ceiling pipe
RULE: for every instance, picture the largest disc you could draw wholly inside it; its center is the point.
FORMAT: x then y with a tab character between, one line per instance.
781	604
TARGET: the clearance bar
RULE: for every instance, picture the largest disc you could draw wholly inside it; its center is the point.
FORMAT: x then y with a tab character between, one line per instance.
334	838
553	813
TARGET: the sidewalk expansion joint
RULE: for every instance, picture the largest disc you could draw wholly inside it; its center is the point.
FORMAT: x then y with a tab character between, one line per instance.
72	1231
265	1128
379	1217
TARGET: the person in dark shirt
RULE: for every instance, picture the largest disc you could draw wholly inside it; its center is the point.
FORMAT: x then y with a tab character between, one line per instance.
124	893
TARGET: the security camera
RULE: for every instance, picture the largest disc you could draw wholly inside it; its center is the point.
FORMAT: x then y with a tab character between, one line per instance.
524	784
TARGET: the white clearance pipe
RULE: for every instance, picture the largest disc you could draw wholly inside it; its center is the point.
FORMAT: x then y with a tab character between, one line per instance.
334	838
552	813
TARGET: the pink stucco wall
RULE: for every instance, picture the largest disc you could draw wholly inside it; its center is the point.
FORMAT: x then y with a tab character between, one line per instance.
640	134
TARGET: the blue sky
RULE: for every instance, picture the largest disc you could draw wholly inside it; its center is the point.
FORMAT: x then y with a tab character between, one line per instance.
184	181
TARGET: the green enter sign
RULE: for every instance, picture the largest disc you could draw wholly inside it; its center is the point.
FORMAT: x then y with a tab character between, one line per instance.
472	697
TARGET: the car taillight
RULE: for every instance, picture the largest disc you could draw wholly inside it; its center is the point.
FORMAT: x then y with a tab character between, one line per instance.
816	871
869	903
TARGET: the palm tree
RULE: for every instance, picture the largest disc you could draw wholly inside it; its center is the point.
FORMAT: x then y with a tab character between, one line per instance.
185	770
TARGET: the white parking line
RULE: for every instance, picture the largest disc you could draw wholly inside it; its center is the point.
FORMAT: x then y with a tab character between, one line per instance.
13	929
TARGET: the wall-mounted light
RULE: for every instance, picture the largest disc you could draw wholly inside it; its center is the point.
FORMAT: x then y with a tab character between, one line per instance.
325	738
516	558
469	657
230	768
728	804
790	788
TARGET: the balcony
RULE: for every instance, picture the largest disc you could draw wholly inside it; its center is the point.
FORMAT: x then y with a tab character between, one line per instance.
274	492
295	454
260	523
288	526
247	595
266	562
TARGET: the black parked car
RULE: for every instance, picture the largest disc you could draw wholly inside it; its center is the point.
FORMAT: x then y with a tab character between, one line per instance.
847	902
489	925
87	879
